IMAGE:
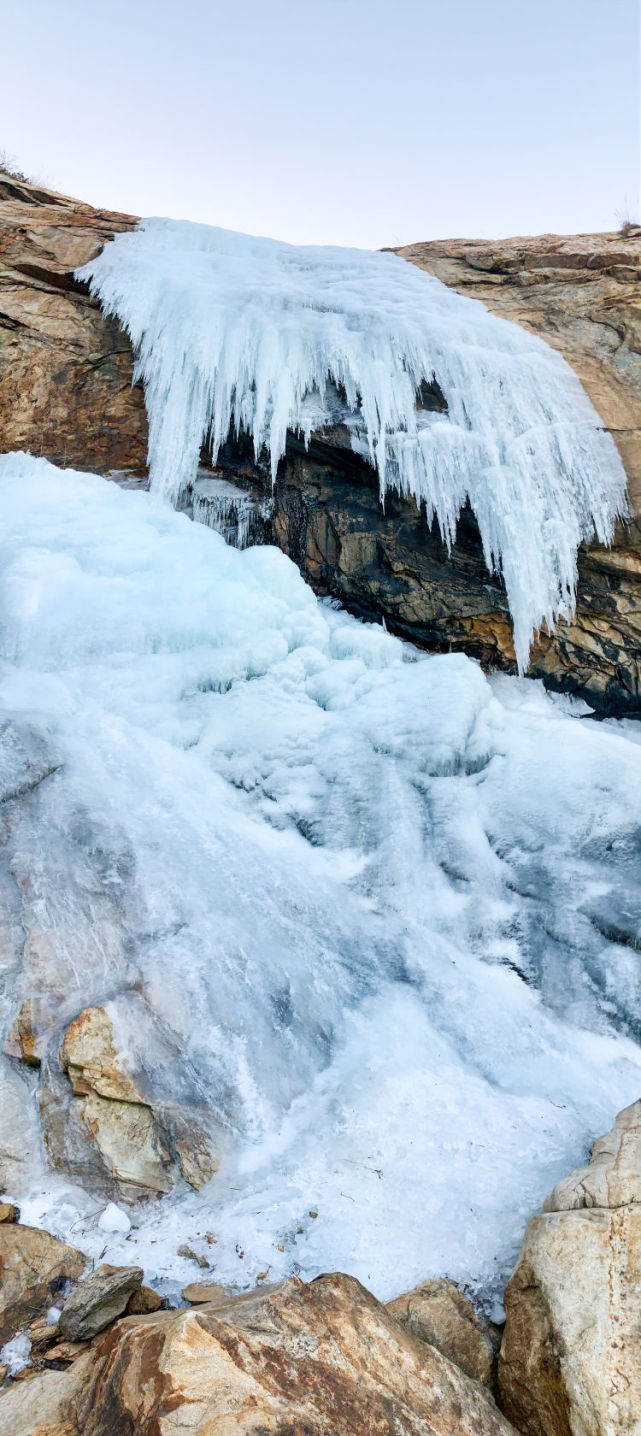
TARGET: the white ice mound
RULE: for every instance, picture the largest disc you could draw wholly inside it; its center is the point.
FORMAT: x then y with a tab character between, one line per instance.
235	331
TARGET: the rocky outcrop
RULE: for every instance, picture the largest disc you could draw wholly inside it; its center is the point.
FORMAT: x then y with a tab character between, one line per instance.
570	1362
65	370
34	1268
65	392
437	1312
297	1360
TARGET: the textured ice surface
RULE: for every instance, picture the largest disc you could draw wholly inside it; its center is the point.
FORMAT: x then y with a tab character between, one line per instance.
232	330
225	508
384	906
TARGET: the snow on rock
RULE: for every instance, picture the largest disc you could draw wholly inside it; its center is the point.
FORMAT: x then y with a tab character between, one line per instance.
236	331
384	907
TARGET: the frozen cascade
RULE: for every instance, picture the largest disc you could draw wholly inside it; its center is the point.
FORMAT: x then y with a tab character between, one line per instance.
225	508
384	907
232	331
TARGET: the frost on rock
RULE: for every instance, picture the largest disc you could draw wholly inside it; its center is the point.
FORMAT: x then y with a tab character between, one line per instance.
236	332
385	908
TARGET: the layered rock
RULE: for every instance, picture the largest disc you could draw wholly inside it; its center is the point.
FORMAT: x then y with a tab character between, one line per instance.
65	371
299	1360
570	1362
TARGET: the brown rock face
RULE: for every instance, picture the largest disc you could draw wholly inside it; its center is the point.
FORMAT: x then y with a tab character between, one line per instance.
33	1267
437	1312
570	1362
65	371
298	1361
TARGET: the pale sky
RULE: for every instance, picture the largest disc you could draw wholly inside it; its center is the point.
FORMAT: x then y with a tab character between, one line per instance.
366	122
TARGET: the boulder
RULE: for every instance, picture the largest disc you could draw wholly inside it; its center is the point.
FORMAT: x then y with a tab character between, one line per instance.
9	1212
34	1267
43	1405
143	1301
570	1361
99	1300
437	1312
306	1360
144	1142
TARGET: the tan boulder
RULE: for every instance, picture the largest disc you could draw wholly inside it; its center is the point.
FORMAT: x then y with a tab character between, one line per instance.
306	1360
143	1141
570	1362
43	1406
437	1312
203	1293
33	1267
90	1058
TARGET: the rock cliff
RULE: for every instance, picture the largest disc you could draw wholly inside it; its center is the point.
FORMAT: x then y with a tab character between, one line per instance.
66	392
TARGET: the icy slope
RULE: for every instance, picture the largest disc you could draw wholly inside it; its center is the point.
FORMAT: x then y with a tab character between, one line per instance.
384	907
237	331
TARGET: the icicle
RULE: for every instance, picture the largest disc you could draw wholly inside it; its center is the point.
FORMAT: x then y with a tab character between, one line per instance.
237	332
223	507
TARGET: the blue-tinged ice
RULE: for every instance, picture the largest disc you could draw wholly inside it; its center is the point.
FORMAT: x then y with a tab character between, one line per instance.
385	908
232	331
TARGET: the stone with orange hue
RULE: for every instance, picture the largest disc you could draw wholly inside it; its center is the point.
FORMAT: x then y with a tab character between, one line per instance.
300	1360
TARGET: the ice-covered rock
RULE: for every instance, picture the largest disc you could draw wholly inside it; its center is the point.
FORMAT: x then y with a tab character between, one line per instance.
363	911
238	333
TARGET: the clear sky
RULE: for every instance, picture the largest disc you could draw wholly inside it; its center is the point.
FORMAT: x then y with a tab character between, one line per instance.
364	122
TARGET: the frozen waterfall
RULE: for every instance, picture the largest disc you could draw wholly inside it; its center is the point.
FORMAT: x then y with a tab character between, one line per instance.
382	907
232	331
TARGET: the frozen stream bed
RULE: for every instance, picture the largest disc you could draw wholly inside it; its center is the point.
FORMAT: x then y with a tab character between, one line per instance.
385	908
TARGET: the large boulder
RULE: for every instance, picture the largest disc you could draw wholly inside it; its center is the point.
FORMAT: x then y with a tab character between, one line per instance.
570	1362
301	1360
144	1140
437	1312
34	1268
99	1299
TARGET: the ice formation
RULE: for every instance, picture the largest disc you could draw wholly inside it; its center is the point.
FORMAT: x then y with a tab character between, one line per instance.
232	331
386	907
225	508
